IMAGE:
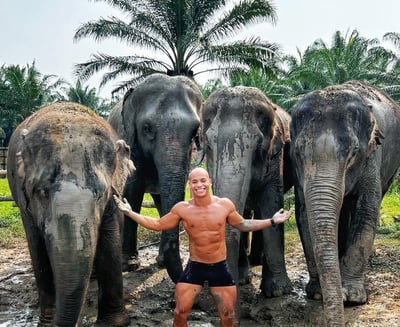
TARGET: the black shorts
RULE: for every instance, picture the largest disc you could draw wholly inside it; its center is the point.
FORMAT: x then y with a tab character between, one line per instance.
216	274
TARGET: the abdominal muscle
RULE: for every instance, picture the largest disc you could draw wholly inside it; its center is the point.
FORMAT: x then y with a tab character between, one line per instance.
207	246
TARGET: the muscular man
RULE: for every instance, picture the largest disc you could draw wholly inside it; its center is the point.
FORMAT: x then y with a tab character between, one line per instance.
204	218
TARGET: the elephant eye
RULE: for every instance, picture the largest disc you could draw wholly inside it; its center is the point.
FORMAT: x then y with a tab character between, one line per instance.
149	131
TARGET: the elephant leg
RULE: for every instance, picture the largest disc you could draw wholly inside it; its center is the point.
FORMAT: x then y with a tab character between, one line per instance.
160	257
275	281
130	252
245	242
130	260
244	272
43	272
359	247
111	310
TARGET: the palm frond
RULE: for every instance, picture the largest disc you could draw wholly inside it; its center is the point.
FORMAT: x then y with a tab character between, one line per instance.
242	14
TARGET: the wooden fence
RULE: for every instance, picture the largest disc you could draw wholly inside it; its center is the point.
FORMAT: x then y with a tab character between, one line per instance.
3	158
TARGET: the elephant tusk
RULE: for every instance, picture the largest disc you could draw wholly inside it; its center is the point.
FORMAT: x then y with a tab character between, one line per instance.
249	238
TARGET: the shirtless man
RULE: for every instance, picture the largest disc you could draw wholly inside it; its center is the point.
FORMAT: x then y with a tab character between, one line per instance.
204	218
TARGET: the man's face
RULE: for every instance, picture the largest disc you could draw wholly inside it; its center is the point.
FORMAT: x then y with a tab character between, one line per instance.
199	183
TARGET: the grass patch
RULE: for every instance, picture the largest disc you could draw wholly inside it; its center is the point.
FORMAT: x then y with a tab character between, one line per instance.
146	236
11	228
389	209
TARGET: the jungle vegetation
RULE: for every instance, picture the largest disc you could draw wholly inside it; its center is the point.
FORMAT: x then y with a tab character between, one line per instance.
191	37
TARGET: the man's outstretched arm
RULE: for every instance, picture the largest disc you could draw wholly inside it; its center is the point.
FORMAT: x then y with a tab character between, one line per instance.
251	225
168	221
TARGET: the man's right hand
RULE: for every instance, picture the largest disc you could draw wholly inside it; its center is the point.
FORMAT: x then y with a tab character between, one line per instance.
124	206
281	216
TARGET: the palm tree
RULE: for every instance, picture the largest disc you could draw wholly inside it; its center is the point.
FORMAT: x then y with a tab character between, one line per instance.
350	57
180	37
89	98
83	95
394	37
22	91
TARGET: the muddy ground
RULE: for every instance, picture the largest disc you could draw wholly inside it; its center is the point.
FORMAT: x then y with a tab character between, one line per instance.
150	303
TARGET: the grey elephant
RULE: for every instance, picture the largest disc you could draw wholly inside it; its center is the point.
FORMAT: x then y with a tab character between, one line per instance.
345	154
64	164
160	121
246	137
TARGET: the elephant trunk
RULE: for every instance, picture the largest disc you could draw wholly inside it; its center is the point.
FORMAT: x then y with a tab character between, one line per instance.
71	241
323	200
172	179
232	182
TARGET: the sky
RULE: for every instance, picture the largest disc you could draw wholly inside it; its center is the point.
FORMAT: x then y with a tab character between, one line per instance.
42	30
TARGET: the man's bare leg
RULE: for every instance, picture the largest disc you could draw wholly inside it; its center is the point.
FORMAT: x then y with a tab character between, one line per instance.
225	299
185	294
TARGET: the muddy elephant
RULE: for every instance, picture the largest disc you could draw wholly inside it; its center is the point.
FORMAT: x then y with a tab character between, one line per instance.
160	120
345	152
246	137
64	164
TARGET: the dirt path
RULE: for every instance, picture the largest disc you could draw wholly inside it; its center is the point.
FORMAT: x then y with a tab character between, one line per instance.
150	303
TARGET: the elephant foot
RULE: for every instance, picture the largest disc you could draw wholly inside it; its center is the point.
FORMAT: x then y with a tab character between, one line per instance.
160	261
354	293
245	280
313	290
132	264
245	276
46	318
276	286
119	320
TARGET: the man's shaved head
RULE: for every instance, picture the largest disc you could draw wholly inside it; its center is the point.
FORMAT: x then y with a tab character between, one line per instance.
198	171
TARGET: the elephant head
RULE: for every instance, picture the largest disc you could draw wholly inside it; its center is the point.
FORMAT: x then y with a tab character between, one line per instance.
340	136
245	136
160	119
64	164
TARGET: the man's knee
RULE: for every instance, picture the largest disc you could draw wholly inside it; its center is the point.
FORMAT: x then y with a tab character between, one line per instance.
228	311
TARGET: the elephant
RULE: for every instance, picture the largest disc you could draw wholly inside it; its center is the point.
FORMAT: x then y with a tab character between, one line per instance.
345	154
160	118
246	138
64	164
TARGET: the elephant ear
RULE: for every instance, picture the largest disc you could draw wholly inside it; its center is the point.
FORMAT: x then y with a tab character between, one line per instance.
280	134
124	168
21	199
115	120
128	115
376	135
